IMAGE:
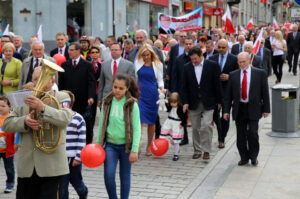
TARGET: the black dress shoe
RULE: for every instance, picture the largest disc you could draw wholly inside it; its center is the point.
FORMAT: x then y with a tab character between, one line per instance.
184	142
175	158
254	162
196	156
243	162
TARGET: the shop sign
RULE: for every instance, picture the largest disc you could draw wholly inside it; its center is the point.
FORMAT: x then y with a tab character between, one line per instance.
158	2
189	22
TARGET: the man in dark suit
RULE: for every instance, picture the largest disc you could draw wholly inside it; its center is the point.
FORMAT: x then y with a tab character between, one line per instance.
79	78
165	23
210	50
18	43
201	92
293	45
265	58
227	63
239	47
248	93
61	46
256	62
178	77
175	51
267	41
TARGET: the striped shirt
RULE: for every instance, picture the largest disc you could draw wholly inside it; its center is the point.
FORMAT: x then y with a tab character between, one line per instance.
76	135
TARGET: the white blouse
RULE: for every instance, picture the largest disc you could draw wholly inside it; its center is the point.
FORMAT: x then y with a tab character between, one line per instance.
278	44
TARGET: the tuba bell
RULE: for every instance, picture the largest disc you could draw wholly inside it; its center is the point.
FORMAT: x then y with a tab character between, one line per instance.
48	137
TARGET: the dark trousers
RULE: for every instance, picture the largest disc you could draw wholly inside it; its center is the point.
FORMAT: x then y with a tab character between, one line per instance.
91	122
247	134
36	187
222	125
157	127
292	53
9	169
277	62
75	178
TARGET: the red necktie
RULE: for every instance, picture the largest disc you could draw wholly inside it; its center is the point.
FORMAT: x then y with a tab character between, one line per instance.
36	63
74	64
115	68
244	86
60	51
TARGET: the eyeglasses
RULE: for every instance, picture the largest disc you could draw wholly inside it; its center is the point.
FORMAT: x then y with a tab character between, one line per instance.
94	52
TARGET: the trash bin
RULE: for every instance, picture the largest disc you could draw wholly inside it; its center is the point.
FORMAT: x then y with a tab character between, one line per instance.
285	111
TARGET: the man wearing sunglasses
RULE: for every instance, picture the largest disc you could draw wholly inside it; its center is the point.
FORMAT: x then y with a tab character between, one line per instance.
227	63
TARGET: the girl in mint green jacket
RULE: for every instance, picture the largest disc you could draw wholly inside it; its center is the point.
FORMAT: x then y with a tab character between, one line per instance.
120	132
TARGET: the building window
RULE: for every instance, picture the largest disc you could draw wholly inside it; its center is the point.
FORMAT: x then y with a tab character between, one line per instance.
5	15
132	16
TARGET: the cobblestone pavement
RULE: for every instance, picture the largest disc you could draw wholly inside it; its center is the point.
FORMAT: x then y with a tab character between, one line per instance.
152	177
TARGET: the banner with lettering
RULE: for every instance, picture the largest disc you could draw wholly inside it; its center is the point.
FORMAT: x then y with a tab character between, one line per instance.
189	22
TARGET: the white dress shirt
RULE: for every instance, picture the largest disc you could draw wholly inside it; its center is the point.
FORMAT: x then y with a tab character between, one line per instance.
112	64
34	62
77	61
198	71
248	83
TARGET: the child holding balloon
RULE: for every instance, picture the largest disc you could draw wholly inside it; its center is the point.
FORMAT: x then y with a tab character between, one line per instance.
175	122
120	131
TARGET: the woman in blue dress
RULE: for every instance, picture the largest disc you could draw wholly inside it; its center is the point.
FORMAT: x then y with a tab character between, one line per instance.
149	73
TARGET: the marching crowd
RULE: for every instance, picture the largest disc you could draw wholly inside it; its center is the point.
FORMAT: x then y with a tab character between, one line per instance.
203	74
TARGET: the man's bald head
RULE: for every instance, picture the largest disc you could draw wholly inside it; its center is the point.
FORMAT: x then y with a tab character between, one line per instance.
222	46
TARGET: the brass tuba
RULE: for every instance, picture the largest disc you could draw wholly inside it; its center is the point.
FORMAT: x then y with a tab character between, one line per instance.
48	137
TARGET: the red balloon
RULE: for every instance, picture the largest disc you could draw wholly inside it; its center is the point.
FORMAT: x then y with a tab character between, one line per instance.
59	58
159	147
92	155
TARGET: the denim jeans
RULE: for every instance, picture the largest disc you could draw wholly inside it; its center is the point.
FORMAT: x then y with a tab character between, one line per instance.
9	169
113	154
75	178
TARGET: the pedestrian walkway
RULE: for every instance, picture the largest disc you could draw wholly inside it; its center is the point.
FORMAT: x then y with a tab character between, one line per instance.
276	175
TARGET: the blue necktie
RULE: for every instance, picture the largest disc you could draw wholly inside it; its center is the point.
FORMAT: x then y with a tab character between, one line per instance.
221	62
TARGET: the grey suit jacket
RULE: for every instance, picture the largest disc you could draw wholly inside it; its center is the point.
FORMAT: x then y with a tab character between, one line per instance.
25	69
30	157
106	77
266	63
24	53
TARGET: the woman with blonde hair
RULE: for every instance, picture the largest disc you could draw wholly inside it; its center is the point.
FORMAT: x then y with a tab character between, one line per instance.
10	70
149	73
279	48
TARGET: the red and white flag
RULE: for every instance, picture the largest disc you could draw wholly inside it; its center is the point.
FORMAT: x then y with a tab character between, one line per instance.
275	24
287	25
250	24
228	22
39	34
6	31
257	42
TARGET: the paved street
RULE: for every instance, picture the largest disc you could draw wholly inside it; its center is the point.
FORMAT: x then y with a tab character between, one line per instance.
160	177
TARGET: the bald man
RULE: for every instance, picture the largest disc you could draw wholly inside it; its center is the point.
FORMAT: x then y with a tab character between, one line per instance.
247	107
239	47
227	63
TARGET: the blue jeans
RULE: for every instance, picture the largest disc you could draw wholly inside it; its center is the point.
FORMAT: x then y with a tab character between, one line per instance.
113	154
75	178
9	169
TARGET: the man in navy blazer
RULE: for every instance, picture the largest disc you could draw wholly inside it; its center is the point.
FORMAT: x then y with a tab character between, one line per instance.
227	64
175	51
248	94
201	93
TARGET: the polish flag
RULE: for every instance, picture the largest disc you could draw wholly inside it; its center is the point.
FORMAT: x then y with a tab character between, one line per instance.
6	31
287	25
275	24
228	22
39	34
250	24
257	42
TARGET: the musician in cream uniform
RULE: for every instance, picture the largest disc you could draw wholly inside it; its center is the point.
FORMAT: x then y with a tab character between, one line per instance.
39	173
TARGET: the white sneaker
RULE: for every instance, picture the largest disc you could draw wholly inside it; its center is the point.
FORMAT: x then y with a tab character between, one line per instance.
8	189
